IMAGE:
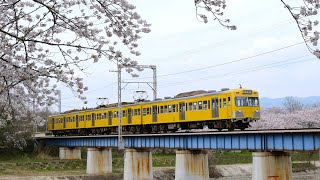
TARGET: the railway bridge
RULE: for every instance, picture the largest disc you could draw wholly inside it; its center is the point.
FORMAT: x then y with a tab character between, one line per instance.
271	151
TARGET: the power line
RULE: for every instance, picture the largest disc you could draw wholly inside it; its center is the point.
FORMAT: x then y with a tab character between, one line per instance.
278	25
267	66
231	40
216	65
230	62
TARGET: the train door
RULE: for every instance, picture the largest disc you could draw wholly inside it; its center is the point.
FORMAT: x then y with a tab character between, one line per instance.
77	121
93	118
229	106
215	107
154	113
129	116
52	121
64	122
223	106
182	113
110	118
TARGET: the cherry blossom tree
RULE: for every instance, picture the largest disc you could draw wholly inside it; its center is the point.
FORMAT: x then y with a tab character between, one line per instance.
45	42
292	104
304	12
280	118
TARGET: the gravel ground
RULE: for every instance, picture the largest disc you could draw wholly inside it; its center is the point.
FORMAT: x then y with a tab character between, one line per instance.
230	172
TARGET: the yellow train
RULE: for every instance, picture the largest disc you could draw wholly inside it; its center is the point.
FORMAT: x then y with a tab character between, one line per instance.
225	109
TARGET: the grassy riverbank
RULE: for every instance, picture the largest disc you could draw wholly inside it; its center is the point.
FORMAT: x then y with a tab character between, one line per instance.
42	164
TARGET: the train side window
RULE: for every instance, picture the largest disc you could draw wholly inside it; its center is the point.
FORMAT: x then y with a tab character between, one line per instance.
148	111
169	108
138	112
174	108
220	103
104	116
161	109
224	102
135	112
124	113
200	105
195	106
165	109
144	111
205	105
229	101
208	104
190	106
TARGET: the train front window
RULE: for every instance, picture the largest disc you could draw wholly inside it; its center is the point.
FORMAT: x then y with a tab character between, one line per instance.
247	101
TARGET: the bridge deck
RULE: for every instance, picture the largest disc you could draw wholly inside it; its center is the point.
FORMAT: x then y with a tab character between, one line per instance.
265	140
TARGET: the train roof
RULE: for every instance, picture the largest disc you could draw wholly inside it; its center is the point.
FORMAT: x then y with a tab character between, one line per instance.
125	104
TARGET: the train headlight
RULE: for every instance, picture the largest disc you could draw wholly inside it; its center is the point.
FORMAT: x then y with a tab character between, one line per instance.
257	110
239	110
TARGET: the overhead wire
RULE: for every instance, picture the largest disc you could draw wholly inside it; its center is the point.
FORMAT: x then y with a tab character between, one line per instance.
280	24
208	67
267	66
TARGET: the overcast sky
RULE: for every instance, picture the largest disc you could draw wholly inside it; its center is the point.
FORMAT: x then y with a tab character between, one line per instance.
180	44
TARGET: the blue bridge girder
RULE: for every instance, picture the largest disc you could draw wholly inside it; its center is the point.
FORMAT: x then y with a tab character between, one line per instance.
262	140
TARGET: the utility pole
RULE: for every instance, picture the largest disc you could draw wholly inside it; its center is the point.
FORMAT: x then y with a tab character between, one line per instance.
59	98
121	142
47	114
120	138
33	114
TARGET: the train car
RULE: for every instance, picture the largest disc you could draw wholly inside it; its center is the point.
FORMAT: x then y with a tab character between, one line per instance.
225	109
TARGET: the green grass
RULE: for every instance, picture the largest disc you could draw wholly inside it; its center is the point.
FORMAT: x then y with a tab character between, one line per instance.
28	163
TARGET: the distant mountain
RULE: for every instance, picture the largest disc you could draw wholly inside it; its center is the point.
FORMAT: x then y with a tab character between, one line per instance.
278	102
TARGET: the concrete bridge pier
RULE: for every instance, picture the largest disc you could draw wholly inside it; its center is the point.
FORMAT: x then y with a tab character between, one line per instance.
69	152
191	165
138	164
271	165
99	161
